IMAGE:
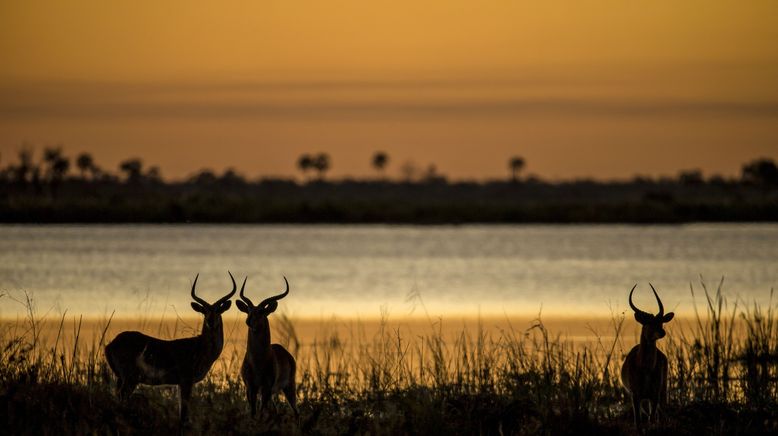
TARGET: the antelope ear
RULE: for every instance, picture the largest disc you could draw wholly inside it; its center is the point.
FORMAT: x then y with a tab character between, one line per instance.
668	317
225	306
272	307
198	307
243	307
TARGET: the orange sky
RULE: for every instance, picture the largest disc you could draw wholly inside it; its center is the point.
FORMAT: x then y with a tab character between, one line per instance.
579	88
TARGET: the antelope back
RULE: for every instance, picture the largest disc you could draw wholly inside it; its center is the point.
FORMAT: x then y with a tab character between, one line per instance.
133	353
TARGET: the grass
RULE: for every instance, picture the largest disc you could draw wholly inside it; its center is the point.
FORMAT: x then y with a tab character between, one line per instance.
476	381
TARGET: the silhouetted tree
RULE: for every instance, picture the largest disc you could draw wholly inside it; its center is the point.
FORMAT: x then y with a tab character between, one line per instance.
61	167
380	159
6	173
26	166
154	175
51	154
36	179
691	177
203	178
516	164
132	168
717	179
321	163
305	163
85	163
57	167
761	172
57	164
231	178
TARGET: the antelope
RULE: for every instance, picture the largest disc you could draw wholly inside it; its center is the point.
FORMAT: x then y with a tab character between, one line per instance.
644	372
138	358
267	368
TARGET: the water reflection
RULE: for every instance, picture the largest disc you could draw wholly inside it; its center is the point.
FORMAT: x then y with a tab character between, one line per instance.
357	270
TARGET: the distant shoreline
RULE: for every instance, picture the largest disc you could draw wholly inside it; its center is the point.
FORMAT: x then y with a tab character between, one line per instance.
374	202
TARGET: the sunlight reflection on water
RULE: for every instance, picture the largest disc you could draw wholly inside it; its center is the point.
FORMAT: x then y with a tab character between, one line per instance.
356	270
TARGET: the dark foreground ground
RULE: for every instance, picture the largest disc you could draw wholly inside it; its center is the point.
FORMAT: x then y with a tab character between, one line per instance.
722	380
69	409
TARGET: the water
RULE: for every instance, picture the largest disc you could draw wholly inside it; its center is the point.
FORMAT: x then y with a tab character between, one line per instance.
571	270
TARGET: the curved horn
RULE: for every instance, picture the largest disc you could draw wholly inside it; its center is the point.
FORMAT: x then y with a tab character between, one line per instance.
632	305
195	297
243	297
228	296
277	297
658	300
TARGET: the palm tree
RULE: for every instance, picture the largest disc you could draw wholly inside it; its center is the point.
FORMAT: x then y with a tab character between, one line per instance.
133	168
60	168
516	164
305	163
321	163
85	163
58	165
380	159
51	154
26	166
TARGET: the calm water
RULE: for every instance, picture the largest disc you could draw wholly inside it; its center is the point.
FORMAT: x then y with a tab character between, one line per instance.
362	270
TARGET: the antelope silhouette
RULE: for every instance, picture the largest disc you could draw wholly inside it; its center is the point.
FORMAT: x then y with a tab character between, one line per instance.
267	368
138	358
644	372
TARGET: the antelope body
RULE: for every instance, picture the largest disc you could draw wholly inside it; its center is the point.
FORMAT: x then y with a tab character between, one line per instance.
267	368
138	358
644	372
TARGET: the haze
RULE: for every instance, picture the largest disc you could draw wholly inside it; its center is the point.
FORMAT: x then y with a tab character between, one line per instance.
579	89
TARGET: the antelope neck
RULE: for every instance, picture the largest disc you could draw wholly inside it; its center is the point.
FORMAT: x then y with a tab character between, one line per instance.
259	338
647	352
213	340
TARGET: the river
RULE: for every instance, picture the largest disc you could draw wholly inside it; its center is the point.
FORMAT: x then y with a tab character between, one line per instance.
364	271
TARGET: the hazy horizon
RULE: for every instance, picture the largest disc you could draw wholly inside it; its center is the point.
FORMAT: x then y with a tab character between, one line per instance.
581	90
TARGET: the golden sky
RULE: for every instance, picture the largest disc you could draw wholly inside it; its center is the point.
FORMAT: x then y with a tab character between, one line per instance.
600	89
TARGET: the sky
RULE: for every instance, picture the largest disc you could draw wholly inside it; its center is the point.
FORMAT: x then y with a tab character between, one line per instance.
579	89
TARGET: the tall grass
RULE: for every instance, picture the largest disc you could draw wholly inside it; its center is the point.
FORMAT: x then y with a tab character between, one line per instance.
478	381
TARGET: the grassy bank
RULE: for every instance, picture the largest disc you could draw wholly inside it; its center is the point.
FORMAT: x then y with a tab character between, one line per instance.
515	380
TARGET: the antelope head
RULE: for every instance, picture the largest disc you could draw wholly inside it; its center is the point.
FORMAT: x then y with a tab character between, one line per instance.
257	315
212	312
652	324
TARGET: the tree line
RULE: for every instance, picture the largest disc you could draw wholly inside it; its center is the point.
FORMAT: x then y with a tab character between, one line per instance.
54	167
